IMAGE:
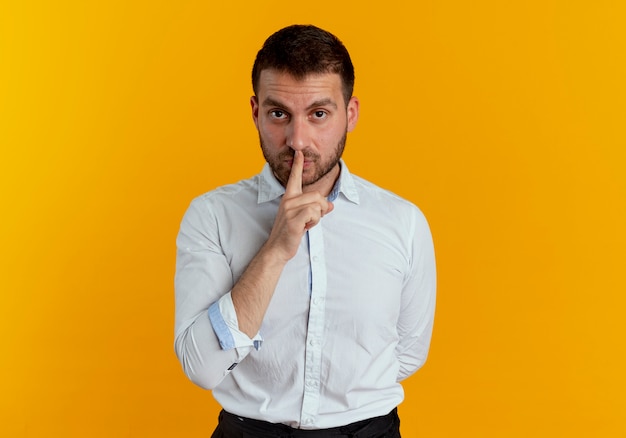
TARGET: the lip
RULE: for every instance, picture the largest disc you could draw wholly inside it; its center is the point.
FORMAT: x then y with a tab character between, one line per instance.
307	163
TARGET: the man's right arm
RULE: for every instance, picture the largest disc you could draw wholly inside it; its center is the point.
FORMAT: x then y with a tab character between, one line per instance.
208	340
203	277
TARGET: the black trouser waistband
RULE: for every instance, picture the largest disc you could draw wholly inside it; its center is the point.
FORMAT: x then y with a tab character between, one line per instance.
235	426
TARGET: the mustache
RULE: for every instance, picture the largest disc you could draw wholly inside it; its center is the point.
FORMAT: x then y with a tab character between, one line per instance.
308	155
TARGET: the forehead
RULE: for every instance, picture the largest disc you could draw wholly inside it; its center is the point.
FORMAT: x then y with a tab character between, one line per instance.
274	84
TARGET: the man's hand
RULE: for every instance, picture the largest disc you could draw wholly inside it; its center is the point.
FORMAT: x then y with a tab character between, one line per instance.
297	213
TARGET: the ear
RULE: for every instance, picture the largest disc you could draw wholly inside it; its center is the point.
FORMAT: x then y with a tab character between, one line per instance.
254	103
352	112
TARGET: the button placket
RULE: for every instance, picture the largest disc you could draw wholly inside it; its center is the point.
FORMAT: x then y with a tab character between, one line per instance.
313	354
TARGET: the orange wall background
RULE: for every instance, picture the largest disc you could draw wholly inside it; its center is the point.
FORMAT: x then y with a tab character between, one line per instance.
504	121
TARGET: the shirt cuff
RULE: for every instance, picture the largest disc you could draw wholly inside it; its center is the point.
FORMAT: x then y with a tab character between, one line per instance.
226	327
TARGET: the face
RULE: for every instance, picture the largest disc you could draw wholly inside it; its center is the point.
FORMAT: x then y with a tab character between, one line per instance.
308	115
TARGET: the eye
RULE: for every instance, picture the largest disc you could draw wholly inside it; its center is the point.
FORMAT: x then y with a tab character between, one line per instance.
278	114
320	114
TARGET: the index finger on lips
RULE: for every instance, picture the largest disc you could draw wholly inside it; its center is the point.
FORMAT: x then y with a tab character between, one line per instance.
294	184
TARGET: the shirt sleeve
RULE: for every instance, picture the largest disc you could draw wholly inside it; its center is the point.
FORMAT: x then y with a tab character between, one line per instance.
415	324
204	278
224	321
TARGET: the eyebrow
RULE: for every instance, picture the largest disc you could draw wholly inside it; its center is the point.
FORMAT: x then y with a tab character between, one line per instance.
322	102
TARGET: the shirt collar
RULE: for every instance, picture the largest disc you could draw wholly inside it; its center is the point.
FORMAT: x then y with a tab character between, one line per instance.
270	188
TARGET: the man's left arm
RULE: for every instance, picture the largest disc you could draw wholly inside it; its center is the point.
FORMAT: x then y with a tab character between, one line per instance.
417	313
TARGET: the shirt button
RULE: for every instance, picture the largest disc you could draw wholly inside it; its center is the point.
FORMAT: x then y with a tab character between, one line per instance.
315	258
311	383
313	342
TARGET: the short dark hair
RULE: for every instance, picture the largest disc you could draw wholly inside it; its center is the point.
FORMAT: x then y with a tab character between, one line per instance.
301	50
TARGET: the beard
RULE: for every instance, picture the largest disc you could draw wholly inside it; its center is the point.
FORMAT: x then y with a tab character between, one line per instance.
319	167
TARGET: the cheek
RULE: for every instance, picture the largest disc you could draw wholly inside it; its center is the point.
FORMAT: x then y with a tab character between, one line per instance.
272	133
328	138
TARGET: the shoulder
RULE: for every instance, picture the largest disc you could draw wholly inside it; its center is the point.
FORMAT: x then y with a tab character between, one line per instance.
372	193
229	193
389	209
221	203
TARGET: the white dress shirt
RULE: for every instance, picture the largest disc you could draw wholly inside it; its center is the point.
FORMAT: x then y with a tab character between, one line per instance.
351	316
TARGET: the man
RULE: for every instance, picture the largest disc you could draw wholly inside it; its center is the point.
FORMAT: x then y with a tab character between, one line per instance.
305	294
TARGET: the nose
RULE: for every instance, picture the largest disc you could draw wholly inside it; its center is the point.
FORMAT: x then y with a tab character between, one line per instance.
298	136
